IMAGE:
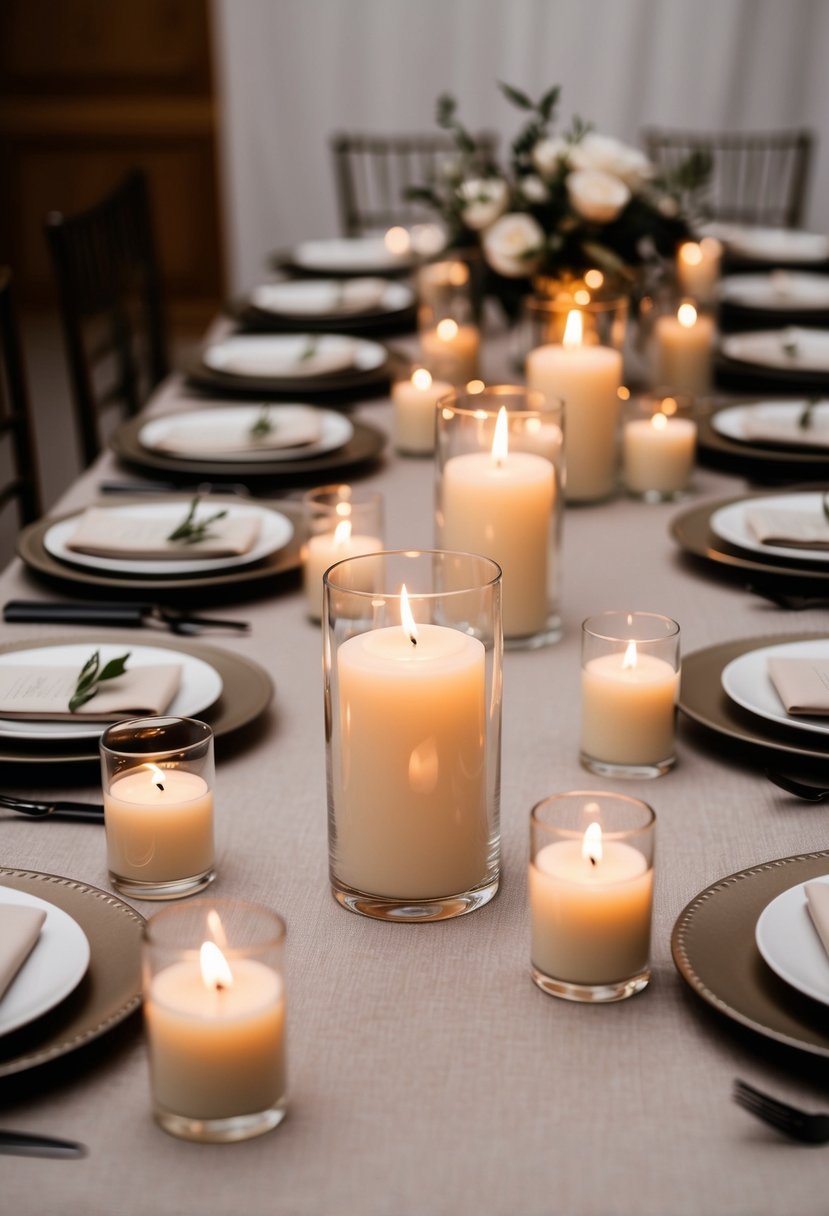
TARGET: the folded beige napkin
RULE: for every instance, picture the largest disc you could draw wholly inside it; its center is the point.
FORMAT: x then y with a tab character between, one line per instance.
790	529
817	901
105	533
19	930
288	429
802	685
788	431
301	357
324	297
43	693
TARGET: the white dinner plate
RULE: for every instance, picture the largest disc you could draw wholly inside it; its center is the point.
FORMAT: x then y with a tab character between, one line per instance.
779	291
280	355
747	682
770	244
335	432
780	417
200	687
55	967
274	533
731	525
791	349
356	254
332	297
789	943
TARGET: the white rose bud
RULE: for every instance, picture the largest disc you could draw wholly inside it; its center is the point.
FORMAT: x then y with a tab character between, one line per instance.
612	156
533	188
484	199
596	196
513	246
547	153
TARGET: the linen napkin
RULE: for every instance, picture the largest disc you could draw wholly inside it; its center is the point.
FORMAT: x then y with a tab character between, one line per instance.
42	693
787	430
320	298
302	356
802	685
105	533
817	901
789	529
288	429
19	930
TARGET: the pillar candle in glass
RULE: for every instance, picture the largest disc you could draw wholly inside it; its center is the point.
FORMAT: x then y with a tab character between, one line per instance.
340	521
683	350
415	400
450	339
698	269
499	493
158	806
586	376
214	1012
412	676
591	895
629	688
659	439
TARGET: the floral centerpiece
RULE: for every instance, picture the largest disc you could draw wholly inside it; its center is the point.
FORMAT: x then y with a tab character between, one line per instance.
568	203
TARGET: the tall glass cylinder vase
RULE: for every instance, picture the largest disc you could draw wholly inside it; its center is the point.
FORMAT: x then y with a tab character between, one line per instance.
412	673
500	493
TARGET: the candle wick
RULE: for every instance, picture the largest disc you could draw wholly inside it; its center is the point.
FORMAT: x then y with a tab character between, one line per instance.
160	785
220	987
412	639
593	861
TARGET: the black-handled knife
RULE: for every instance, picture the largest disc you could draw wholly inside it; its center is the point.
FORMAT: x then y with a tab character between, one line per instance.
80	612
85	812
27	1144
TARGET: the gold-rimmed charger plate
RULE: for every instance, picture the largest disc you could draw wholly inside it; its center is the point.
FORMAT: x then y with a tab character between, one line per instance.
32	550
703	699
109	992
715	952
247	691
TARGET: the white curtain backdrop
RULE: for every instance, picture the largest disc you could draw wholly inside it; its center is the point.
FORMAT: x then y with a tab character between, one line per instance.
291	72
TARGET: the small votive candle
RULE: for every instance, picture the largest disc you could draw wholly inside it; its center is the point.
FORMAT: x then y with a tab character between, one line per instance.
214	1011
591	895
629	687
415	400
698	269
158	806
340	522
451	350
683	350
658	446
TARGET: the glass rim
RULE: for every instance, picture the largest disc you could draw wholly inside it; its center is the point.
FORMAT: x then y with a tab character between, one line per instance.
546	406
536	302
672	632
575	833
160	752
177	911
414	595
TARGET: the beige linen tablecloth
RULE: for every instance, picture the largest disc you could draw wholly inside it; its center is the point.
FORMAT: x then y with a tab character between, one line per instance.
428	1075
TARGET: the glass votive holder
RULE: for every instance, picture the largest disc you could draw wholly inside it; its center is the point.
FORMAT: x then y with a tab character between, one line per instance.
450	338
499	491
591	895
659	438
681	347
340	521
698	269
586	374
604	318
412	677
415	399
158	777
214	1013
629	689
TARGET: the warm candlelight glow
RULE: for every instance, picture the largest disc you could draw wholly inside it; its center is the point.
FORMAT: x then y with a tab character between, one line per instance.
406	618
475	386
686	314
343	509
581	296
623	392
500	440
659	422
669	406
421	378
214	924
574	329
342	532
690	253
591	845
594	279
397	241
215	971
630	659
458	274
158	776
447	329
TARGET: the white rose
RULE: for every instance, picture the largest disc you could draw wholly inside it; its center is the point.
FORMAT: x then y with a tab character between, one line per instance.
513	245
597	196
547	153
533	188
484	199
612	156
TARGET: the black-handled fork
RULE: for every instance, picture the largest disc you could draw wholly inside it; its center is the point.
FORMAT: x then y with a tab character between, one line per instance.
29	1144
123	614
789	1120
83	812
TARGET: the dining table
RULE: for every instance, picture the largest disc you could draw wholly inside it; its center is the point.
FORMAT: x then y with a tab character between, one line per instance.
427	1072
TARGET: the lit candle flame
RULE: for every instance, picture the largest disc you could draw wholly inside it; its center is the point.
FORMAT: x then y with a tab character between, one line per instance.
630	659
406	618
217	929
691	253
574	329
500	440
594	278
397	240
686	314
421	379
659	422
342	532
447	329
591	845
215	971
158	776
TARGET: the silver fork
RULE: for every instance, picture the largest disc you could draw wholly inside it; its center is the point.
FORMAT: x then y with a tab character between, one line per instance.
792	1122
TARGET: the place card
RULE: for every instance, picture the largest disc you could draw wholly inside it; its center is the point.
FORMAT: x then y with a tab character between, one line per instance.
42	693
802	685
103	533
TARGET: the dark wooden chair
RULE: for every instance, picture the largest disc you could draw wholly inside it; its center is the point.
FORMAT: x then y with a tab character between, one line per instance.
373	172
109	293
757	177
19	480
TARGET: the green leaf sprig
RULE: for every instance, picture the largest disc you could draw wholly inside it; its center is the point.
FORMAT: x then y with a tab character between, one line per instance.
807	415
310	348
189	531
263	425
92	676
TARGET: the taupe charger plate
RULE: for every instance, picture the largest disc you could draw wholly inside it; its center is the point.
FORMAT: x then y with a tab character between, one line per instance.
109	992
764	462
247	691
703	699
715	952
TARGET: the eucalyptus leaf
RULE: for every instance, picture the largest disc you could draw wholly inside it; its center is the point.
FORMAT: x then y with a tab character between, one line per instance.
91	676
189	531
515	96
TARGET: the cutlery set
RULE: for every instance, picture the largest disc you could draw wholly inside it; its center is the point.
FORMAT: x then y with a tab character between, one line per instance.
121	614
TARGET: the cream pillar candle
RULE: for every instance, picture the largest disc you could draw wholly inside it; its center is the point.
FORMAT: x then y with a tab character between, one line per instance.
411	806
500	504
587	380
683	351
159	825
451	351
590	911
698	269
216	1046
414	411
323	550
628	707
658	454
